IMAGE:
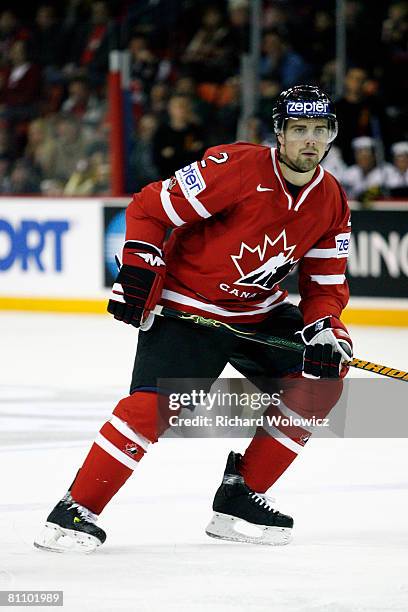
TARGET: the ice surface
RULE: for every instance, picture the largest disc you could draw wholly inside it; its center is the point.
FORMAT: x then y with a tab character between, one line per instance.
60	378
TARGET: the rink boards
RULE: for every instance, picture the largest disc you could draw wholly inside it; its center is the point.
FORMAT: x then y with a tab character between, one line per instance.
57	254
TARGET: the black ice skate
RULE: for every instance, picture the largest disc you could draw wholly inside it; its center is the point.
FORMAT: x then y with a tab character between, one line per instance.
70	528
241	515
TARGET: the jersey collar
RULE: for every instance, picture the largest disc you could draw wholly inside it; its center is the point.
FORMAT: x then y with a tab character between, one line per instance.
315	180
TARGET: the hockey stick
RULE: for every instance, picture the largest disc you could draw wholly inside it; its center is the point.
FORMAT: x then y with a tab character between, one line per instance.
274	341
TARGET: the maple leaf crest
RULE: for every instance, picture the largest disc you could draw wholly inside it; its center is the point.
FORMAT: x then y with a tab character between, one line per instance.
131	449
264	266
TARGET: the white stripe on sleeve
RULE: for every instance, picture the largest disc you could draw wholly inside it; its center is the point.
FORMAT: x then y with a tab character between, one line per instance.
328	279
322	253
168	206
191	198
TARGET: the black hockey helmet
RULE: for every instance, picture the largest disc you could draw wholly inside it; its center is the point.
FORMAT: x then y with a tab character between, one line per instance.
304	101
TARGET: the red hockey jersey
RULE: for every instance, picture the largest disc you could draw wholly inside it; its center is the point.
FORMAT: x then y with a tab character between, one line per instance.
238	233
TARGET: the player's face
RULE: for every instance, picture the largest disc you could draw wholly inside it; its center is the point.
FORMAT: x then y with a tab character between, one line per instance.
304	142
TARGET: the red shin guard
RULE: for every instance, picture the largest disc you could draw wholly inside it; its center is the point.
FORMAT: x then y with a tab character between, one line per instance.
275	446
118	448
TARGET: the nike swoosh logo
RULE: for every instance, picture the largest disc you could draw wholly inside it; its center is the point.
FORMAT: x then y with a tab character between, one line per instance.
260	188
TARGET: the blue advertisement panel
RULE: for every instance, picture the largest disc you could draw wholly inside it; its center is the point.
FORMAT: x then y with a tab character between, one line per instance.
114	236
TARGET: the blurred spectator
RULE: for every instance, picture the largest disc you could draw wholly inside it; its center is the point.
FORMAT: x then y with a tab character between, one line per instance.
334	163
19	91
98	142
47	40
70	146
145	69
328	77
180	140
165	22
321	48
23	179
395	175
89	49
6	144
145	66
395	54
222	109
187	86
363	24
358	114
82	180
253	129
274	16
279	63
159	96
268	90
102	177
10	31
142	167
5	183
52	188
395	26
91	176
83	103
207	55
238	29
227	116
40	147
21	82
362	180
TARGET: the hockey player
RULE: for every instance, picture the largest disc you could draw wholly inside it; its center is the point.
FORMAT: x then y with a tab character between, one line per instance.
243	217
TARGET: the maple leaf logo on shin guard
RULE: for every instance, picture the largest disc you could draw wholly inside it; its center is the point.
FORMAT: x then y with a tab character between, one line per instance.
264	266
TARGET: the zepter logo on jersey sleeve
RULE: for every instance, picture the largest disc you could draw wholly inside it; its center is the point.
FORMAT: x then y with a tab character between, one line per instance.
264	266
191	180
342	245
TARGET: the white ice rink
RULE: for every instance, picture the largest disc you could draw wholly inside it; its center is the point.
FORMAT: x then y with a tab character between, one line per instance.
60	377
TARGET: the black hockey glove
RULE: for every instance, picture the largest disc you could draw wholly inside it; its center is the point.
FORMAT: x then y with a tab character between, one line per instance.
328	344
139	284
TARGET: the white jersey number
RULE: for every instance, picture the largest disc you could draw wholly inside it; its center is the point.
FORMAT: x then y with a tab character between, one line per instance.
217	160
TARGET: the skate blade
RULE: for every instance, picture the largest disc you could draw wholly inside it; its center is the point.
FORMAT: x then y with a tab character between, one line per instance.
57	539
233	529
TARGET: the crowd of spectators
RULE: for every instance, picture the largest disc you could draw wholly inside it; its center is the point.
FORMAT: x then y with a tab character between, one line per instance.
186	90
